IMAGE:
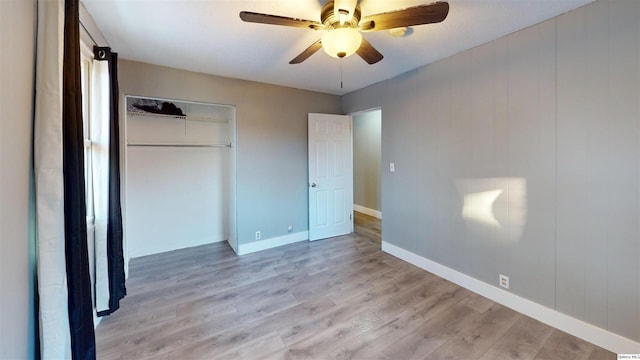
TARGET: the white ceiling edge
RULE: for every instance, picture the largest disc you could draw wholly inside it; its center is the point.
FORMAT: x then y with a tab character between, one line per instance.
207	36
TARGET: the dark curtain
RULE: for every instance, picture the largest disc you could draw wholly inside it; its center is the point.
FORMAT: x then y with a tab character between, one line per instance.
77	262
115	257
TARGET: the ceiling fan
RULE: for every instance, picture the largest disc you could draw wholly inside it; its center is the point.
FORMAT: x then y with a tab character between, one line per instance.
343	22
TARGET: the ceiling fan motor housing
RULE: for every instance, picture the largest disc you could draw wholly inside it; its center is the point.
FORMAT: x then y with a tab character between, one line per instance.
331	20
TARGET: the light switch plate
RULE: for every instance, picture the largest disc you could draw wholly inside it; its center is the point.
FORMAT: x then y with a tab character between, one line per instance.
392	167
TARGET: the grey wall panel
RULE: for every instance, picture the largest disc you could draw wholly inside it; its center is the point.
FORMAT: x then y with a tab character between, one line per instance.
571	182
446	192
448	197
400	136
623	237
546	175
483	175
445	187
596	103
525	159
460	158
427	163
501	143
563	109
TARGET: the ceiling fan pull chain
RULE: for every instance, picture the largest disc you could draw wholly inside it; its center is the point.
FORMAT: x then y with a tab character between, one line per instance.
341	60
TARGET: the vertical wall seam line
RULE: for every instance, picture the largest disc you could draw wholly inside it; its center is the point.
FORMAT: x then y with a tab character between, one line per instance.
555	187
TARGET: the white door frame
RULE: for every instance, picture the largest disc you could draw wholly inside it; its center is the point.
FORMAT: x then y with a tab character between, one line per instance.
356	113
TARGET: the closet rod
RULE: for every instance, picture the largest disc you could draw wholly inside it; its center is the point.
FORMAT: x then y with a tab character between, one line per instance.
179	145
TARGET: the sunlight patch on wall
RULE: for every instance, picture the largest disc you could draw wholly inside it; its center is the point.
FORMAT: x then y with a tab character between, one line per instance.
494	207
479	207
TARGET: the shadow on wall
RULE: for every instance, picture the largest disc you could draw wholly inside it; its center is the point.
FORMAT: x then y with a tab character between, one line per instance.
494	207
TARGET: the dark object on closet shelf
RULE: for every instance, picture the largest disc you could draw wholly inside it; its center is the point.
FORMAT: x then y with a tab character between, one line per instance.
166	108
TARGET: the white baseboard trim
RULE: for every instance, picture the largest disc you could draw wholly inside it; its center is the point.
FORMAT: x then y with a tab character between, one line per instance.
375	213
260	245
96	319
163	248
593	334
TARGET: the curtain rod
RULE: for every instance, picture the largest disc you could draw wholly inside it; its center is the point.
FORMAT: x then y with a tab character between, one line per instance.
88	33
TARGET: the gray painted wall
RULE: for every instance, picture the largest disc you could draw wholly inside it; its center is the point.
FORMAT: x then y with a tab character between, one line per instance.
17	52
547	119
271	132
367	140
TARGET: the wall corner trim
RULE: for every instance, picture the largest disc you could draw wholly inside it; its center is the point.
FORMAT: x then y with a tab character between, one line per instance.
371	212
271	243
593	334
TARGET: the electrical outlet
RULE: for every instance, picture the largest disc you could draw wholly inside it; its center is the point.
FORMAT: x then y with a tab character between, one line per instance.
258	235
290	228
504	281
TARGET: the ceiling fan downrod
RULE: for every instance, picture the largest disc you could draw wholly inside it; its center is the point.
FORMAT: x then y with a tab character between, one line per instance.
332	20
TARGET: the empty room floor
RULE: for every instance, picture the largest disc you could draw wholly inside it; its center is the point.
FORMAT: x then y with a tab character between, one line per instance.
367	227
339	298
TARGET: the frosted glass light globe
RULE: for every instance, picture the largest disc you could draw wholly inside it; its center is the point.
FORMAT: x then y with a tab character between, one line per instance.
342	42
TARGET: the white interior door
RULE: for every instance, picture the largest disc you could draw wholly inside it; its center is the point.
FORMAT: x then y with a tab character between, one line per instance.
330	176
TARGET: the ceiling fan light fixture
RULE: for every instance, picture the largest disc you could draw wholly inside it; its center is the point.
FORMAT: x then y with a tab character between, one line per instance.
342	42
398	32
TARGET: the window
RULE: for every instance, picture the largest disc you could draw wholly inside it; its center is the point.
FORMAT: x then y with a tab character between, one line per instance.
86	75
86	59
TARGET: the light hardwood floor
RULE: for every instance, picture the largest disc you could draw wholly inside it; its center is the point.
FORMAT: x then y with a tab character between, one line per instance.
368	227
339	298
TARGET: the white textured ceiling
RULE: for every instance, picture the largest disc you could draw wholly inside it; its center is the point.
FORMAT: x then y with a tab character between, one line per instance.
208	36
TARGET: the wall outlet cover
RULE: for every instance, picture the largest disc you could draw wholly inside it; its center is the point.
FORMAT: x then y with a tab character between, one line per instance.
504	281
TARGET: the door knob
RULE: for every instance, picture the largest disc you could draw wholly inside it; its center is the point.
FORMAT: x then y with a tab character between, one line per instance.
313	185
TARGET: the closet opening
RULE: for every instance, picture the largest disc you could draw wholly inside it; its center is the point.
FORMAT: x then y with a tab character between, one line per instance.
180	175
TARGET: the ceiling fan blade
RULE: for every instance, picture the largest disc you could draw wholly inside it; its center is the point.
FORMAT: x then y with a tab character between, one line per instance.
307	52
417	15
248	16
368	53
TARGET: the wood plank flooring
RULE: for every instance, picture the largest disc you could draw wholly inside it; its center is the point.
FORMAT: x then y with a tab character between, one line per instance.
339	298
367	226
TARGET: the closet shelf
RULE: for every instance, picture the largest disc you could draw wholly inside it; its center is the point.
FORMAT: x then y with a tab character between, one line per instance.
185	117
148	114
